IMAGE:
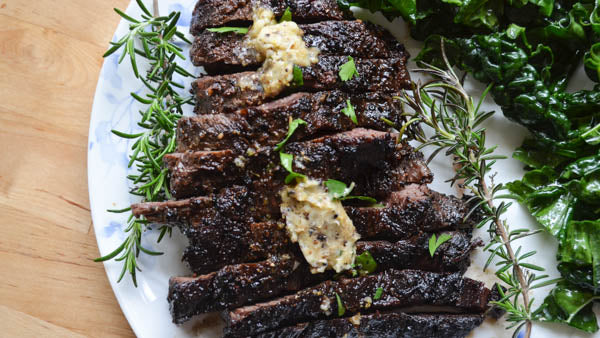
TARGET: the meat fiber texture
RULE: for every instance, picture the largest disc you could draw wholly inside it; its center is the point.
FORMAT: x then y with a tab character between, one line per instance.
371	159
286	271
401	288
221	93
227	52
213	13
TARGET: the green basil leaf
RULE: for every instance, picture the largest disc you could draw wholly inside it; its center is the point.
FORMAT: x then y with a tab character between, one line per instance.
349	111
292	128
340	305
287	15
378	293
348	70
435	242
238	30
287	162
338	189
365	263
298	79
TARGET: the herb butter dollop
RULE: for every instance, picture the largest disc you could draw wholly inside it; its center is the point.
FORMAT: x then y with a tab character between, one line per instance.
280	47
320	225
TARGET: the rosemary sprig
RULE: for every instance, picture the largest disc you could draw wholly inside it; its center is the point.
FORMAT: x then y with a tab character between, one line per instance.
444	105
158	121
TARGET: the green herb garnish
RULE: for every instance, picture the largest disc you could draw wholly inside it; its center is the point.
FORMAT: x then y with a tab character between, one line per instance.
455	120
158	120
340	305
292	128
348	70
434	243
340	191
287	15
349	111
298	79
378	293
287	161
237	30
365	263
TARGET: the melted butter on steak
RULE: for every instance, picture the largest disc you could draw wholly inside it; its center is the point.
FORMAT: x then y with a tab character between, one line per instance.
320	225
279	46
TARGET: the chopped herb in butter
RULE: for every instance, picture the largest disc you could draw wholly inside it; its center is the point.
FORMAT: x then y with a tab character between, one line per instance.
320	225
280	47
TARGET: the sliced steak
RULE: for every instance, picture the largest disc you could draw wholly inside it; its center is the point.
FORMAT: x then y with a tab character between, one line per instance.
410	210
400	288
210	248
384	324
213	13
221	94
234	204
371	159
226	52
236	285
267	124
405	213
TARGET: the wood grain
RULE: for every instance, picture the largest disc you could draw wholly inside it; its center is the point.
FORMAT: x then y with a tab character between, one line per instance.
50	58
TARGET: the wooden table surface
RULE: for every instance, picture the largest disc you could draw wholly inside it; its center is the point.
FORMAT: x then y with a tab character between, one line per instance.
50	58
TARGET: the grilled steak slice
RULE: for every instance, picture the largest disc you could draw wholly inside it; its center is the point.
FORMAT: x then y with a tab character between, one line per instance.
210	248
384	324
410	210
401	288
236	285
213	13
219	52
241	284
371	159
405	213
267	124
221	94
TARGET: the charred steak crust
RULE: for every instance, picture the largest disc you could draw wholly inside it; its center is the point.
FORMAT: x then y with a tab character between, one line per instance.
211	248
240	284
221	94
401	288
405	213
218	52
384	324
371	159
213	13
267	124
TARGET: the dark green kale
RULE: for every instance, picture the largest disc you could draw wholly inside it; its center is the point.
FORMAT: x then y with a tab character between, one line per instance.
528	50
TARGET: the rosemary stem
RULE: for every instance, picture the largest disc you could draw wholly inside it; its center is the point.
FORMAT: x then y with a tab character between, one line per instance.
501	231
155	8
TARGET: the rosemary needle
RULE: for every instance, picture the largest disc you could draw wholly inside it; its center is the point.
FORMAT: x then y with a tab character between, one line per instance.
158	121
444	105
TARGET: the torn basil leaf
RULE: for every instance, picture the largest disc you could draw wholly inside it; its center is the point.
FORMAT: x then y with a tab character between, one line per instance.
348	70
287	162
292	128
238	30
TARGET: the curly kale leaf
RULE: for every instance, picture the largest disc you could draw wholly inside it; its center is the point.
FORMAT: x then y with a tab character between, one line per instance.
568	304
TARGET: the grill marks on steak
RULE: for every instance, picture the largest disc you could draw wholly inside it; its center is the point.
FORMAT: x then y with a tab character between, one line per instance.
401	288
236	285
212	13
371	159
221	94
405	213
212	248
384	324
267	124
219	52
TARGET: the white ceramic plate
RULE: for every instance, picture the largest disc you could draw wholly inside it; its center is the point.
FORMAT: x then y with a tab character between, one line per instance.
146	307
